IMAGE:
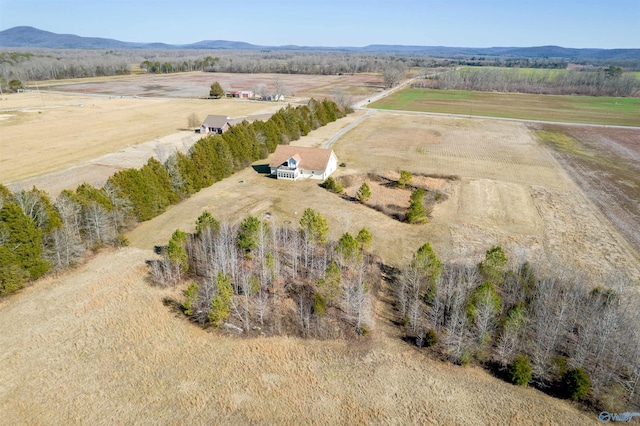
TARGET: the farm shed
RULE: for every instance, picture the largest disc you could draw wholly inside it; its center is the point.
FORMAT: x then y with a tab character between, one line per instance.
295	162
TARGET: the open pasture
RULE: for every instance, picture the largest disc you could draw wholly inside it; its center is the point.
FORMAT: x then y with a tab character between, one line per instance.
571	109
196	84
44	132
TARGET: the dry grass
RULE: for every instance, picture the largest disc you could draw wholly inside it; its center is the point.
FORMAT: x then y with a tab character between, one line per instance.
97	346
196	84
511	192
387	198
48	132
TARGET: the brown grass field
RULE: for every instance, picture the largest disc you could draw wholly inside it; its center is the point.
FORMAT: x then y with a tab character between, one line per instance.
97	345
196	84
605	163
47	132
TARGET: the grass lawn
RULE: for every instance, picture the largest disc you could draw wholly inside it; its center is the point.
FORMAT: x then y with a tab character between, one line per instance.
573	109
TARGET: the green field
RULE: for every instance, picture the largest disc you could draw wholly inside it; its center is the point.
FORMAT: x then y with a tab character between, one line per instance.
571	109
523	72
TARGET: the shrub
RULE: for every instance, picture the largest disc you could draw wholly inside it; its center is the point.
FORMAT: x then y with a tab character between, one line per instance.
576	384
319	304
520	370
364	193
332	185
431	338
405	179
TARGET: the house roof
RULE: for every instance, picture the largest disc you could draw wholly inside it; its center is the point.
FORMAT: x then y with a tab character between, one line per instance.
216	121
308	158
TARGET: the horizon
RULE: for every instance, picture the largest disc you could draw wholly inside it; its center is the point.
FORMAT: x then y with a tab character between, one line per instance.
333	24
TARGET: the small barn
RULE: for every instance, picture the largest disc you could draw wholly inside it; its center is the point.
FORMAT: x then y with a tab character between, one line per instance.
296	162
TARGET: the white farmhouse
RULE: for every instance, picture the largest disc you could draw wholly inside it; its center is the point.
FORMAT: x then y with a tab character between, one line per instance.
296	162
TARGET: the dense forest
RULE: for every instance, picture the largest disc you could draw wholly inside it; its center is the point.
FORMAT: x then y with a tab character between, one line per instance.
38	235
529	325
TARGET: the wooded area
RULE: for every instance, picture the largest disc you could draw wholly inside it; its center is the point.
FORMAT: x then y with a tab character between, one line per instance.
609	81
513	318
262	278
38	235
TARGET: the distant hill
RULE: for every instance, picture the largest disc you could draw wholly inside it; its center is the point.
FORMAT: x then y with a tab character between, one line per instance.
32	37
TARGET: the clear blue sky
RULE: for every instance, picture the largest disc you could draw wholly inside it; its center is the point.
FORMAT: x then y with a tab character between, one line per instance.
467	23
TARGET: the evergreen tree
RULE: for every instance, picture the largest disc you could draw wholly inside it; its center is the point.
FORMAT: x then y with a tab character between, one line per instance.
494	264
176	250
206	222
416	212
364	238
21	243
316	225
347	247
221	302
426	261
364	193
330	286
216	91
248	234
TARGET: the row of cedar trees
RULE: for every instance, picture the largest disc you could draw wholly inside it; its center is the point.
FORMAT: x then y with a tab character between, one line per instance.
547	328
257	277
38	235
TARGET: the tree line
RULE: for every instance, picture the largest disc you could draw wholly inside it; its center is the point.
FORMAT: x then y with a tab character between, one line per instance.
550	329
257	277
38	235
610	81
56	65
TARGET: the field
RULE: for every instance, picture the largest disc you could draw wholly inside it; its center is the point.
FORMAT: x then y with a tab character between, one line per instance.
99	345
49	132
196	84
605	163
572	109
67	124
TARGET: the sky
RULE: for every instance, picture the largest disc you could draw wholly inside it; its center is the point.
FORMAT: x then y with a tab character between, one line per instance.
453	23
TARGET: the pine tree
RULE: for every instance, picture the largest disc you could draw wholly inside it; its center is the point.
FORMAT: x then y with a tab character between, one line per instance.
216	91
221	302
364	193
416	212
316	225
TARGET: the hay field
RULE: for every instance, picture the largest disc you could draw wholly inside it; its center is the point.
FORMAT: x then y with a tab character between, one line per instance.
48	132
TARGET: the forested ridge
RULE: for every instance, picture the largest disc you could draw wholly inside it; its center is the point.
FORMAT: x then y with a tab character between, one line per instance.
39	236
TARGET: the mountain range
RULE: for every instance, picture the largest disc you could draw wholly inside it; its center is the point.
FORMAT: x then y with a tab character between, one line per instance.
29	37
